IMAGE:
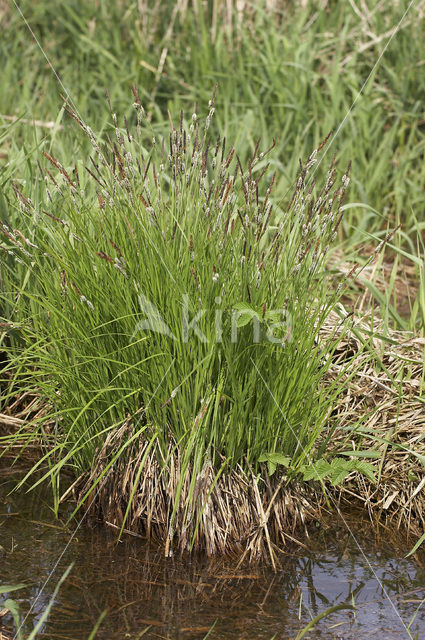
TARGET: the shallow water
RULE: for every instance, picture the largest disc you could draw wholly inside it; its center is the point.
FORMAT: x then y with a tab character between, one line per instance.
183	598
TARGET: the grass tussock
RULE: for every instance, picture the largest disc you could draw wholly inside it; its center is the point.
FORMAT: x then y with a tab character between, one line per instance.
165	290
172	324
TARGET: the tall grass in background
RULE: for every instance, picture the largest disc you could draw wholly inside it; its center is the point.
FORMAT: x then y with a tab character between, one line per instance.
287	72
178	303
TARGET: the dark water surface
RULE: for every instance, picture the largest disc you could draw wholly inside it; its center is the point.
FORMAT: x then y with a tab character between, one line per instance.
183	598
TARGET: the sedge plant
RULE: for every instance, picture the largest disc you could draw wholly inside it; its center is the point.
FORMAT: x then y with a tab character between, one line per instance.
165	289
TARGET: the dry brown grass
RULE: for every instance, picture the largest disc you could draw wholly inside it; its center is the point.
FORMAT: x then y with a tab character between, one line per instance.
392	402
379	273
236	513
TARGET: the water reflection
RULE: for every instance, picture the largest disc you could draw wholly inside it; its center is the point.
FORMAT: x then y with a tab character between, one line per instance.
184	598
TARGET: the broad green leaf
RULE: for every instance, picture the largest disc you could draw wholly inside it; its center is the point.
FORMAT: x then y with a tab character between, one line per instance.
244	319
246	314
244	307
274	459
279	458
317	470
340	470
271	467
365	468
